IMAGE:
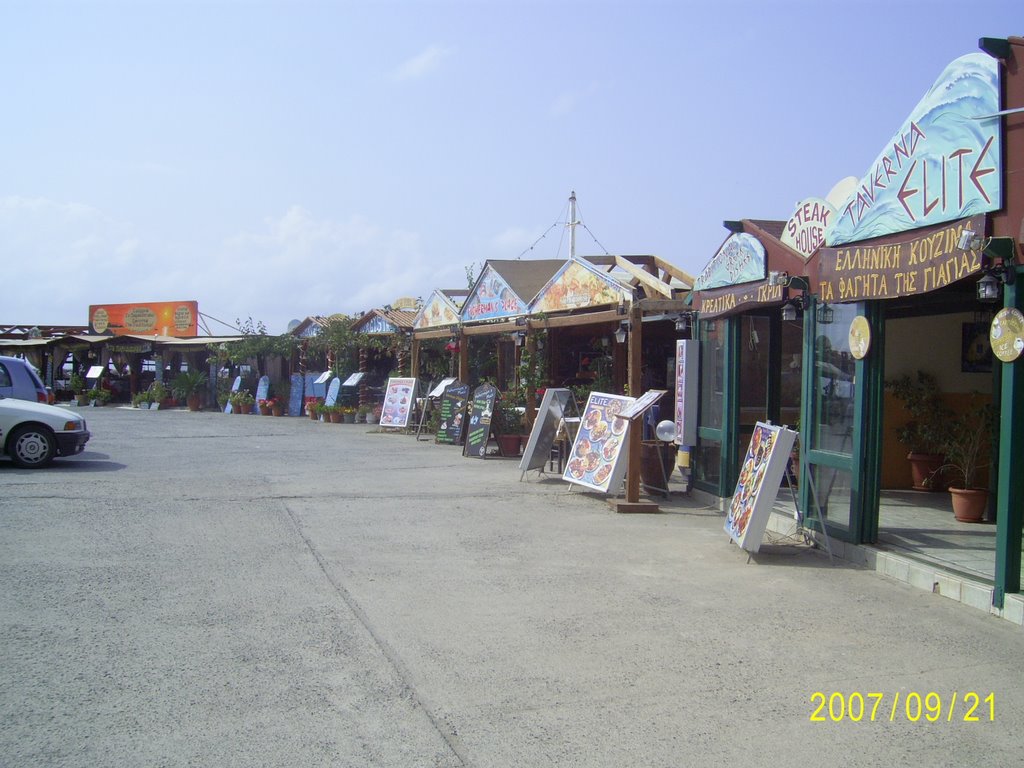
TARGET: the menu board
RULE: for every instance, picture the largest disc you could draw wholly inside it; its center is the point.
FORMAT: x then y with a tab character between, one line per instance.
553	408
295	395
453	414
480	412
758	484
399	400
687	383
594	461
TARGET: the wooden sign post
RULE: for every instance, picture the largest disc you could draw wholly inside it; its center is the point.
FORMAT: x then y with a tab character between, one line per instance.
633	414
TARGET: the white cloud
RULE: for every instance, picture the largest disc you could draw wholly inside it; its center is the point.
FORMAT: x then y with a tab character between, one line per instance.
61	257
423	63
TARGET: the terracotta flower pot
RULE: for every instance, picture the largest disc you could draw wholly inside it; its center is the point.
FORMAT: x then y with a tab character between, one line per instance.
969	504
924	471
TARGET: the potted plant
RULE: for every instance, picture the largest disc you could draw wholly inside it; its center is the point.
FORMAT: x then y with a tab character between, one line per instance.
363	413
99	396
141	400
188	386
276	405
373	417
311	408
506	421
264	406
348	413
77	386
925	432
966	448
241	401
157	395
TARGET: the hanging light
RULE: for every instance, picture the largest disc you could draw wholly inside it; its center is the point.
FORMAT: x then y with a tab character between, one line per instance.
621	331
988	289
519	337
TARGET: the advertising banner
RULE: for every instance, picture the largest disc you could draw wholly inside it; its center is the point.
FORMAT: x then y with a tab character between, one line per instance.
161	318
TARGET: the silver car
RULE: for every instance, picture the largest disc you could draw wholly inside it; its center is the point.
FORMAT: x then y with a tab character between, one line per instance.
18	379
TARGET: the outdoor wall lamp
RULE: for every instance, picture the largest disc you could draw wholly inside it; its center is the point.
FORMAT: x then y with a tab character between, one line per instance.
794	307
785	279
826	314
621	331
518	337
994	276
683	321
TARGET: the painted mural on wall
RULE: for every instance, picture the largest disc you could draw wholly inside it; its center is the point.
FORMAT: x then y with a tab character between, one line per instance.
943	163
741	259
577	285
439	310
492	298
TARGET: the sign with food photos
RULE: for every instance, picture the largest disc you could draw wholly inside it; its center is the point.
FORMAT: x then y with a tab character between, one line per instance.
399	400
758	484
596	458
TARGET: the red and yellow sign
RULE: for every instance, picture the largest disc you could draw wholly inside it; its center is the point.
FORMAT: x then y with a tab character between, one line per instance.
161	318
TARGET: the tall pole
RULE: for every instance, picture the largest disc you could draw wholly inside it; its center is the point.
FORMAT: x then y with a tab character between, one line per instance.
572	225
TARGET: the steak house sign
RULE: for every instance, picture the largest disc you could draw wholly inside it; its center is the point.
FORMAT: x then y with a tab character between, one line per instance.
884	271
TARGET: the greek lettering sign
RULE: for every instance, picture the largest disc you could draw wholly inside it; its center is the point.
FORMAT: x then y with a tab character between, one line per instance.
943	164
862	272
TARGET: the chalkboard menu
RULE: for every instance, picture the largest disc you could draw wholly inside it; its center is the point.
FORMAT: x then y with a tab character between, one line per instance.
295	396
453	414
554	406
480	413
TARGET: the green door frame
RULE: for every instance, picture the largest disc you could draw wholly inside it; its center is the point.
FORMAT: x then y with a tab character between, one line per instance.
864	461
726	435
1010	480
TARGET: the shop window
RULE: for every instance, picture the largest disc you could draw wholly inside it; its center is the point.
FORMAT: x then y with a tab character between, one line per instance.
708	462
712	373
832	488
833	381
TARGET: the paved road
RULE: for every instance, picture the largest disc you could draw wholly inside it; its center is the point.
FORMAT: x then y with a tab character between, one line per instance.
210	590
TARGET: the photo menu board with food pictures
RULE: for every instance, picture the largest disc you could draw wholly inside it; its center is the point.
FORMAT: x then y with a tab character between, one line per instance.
481	410
453	414
399	400
596	459
758	484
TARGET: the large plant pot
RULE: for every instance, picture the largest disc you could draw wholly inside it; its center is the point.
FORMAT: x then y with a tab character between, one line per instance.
656	456
195	402
924	471
508	445
969	504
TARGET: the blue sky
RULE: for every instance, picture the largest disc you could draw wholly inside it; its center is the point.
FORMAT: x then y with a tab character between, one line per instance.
283	159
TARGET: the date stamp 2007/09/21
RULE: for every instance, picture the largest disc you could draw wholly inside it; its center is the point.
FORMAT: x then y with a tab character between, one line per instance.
931	707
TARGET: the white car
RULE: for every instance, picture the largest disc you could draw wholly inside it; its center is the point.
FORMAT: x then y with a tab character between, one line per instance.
32	434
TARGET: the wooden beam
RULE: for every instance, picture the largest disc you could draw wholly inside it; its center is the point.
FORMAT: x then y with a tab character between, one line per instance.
674	271
646	278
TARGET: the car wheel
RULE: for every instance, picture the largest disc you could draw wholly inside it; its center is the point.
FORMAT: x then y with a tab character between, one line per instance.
32	447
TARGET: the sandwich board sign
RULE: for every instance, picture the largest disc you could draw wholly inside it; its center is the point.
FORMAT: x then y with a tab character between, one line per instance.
758	484
596	460
481	411
453	414
556	405
399	401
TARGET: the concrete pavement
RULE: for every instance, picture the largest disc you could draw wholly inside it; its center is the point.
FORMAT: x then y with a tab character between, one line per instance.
202	589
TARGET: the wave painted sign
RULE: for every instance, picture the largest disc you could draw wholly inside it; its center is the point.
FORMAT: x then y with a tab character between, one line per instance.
943	164
741	259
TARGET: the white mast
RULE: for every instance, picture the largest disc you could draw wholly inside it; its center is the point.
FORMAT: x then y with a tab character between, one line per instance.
572	225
